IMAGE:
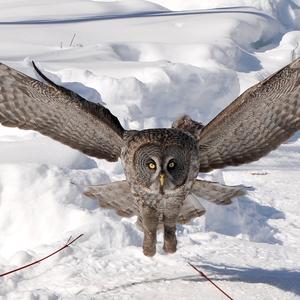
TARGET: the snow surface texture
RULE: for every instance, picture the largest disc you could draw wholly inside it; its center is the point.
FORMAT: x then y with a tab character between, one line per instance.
150	62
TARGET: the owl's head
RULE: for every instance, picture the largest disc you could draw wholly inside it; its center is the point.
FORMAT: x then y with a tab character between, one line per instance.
162	159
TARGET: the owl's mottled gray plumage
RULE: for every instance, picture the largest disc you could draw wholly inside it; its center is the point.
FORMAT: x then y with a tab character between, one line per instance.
254	124
161	165
59	113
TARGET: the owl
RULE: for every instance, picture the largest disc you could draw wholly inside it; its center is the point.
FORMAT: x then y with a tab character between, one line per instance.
161	165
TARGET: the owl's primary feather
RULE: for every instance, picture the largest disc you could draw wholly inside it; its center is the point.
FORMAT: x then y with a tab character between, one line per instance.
58	113
254	124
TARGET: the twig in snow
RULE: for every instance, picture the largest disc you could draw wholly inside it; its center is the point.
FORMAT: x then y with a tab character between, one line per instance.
72	40
69	242
208	279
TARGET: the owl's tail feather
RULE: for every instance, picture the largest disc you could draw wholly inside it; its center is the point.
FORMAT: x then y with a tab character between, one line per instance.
115	195
217	193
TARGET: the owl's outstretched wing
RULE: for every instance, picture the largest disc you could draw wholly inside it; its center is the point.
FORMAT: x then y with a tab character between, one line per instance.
58	113
255	123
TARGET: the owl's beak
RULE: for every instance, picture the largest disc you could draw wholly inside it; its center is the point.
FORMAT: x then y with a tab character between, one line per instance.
162	177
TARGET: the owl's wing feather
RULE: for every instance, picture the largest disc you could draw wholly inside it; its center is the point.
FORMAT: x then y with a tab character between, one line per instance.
58	113
255	123
115	195
215	192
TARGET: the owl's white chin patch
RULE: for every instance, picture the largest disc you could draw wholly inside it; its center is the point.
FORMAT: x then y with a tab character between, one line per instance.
167	188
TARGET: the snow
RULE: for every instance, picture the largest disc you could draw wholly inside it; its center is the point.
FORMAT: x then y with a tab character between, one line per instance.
148	62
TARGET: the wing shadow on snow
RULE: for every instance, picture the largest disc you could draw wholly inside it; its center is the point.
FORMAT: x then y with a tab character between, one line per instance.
244	217
283	279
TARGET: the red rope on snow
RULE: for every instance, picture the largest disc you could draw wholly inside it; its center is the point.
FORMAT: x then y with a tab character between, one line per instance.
208	279
69	242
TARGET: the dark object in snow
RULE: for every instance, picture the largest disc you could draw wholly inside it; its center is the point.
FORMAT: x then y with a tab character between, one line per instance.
209	280
69	242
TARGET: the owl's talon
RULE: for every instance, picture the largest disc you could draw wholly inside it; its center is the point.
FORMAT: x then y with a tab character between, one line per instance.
149	248
149	251
170	246
149	244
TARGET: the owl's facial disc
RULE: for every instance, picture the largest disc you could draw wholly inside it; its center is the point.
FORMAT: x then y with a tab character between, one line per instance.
161	169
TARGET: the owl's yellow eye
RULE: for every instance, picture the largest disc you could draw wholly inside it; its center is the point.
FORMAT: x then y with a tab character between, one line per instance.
171	165
152	165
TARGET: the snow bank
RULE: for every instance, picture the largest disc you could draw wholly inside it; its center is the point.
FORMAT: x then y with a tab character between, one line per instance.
44	151
40	204
132	98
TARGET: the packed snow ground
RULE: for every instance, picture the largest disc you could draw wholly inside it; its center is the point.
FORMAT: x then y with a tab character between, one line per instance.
148	63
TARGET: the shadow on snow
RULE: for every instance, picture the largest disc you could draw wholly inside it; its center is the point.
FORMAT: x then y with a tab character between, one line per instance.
283	279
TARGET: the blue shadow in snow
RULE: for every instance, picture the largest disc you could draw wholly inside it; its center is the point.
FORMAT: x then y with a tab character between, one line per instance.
284	279
245	217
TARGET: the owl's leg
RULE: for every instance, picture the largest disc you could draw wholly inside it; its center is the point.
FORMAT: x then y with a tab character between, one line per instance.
150	218
170	241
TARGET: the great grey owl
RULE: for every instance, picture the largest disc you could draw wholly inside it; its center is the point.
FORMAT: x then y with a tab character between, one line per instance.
161	165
